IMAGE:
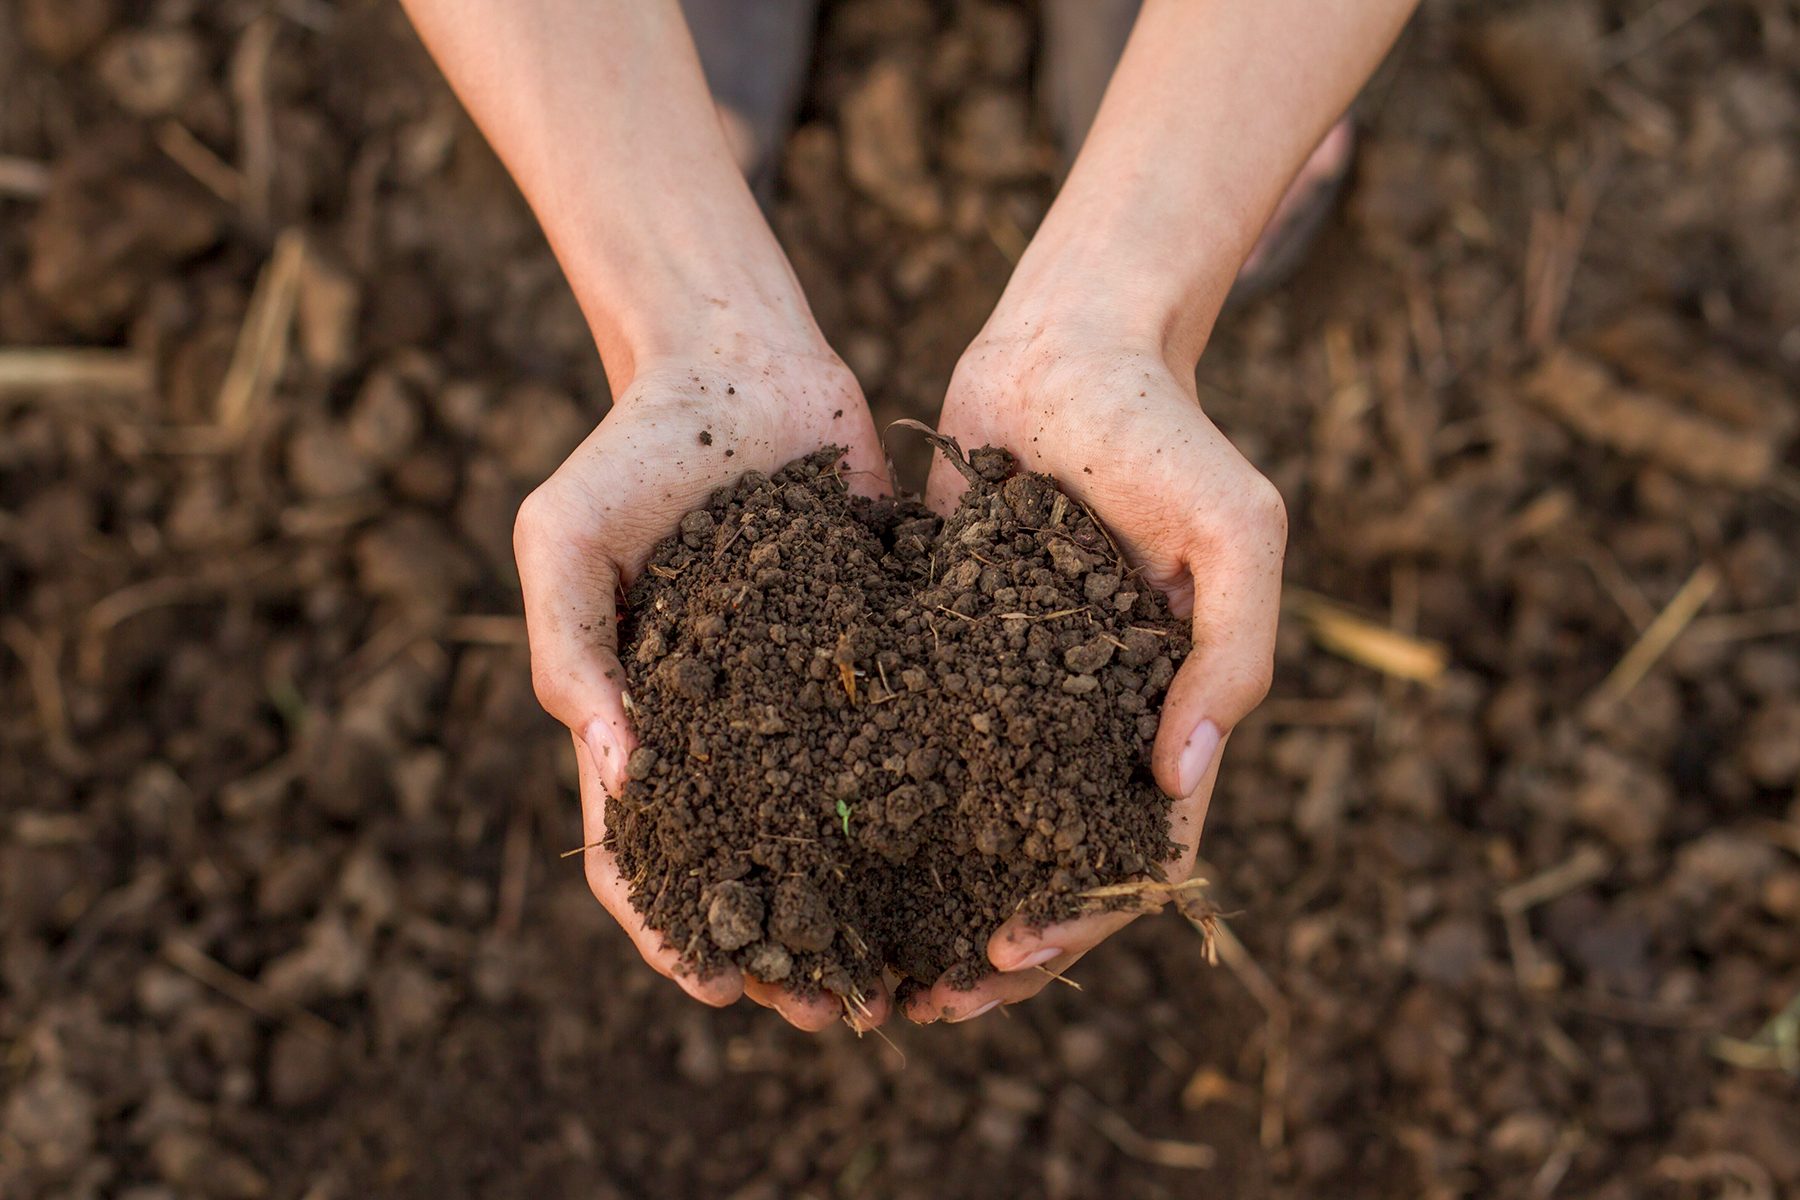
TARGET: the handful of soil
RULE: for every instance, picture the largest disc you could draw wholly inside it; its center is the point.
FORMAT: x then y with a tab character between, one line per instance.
869	736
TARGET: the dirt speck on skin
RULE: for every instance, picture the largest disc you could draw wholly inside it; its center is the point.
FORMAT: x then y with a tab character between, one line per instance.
870	736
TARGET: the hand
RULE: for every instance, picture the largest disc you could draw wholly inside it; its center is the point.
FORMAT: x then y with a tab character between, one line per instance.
1121	429
689	421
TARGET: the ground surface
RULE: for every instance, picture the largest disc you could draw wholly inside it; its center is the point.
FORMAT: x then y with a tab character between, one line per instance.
280	908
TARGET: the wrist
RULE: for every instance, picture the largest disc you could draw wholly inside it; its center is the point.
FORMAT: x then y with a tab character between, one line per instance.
690	285
1098	278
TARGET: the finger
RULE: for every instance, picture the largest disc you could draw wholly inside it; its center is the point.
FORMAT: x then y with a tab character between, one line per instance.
1018	946
614	893
875	1009
810	1015
943	1002
569	585
956	1005
1237	601
818	1012
577	541
761	993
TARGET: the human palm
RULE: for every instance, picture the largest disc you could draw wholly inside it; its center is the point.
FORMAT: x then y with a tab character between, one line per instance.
1124	432
686	425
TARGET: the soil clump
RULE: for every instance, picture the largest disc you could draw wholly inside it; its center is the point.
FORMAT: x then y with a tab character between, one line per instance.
871	735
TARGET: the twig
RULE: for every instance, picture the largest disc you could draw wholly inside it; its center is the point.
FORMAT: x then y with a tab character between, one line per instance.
262	345
1060	978
1620	586
1149	895
164	590
1776	1046
1633	1012
945	445
1163	1152
1279	1016
1744	626
254	996
382	647
197	159
1581	868
54	369
1654	642
1530	970
1049	616
1118	555
1553	252
1363	641
1149	891
861	1008
256	136
1562	1156
41	656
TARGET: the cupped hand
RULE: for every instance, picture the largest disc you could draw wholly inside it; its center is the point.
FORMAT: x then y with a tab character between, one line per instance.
687	423
1123	431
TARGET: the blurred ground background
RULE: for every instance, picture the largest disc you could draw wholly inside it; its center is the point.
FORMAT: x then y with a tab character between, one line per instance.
280	908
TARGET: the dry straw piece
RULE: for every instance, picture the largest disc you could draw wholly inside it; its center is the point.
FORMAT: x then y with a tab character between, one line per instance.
1654	642
1363	641
262	345
54	369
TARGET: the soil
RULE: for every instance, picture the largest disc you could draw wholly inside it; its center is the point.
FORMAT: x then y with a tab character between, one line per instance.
281	912
869	736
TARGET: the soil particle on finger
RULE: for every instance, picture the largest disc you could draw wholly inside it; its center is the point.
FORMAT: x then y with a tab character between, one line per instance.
869	736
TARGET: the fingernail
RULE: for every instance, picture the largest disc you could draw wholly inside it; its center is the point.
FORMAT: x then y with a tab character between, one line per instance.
1197	755
1036	960
989	1006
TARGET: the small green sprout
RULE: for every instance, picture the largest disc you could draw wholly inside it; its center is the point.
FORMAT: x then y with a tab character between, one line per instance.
843	812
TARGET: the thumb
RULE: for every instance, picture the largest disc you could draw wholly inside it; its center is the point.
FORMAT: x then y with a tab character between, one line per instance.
570	586
1237	602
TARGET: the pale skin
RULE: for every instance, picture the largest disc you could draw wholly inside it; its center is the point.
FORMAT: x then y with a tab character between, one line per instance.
1085	370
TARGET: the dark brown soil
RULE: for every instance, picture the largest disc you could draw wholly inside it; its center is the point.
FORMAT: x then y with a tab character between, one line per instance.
870	736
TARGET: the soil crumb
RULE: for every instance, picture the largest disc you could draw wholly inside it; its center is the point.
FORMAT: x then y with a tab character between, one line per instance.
869	735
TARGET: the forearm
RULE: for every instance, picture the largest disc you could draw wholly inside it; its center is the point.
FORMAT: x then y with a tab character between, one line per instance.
1211	111
601	113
